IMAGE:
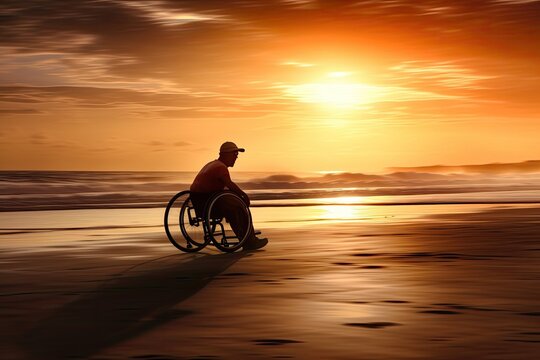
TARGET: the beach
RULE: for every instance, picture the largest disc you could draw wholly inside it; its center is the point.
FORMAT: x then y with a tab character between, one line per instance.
387	150
409	282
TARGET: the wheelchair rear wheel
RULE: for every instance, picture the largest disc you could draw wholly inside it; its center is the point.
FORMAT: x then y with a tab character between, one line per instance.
184	229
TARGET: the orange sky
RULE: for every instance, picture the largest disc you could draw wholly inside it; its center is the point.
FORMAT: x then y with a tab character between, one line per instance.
303	85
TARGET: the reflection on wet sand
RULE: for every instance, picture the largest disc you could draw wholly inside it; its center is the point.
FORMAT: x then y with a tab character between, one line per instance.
294	216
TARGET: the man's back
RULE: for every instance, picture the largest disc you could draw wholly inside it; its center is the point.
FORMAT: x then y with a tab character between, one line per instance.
211	178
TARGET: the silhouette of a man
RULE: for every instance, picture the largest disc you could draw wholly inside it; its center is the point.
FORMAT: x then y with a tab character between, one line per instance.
214	177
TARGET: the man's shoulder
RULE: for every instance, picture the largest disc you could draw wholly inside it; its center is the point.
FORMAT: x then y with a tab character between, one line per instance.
217	166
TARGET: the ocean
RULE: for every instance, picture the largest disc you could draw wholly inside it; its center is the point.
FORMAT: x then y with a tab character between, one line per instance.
44	208
69	190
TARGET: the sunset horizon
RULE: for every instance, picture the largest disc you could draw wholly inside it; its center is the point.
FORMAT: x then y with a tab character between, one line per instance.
493	169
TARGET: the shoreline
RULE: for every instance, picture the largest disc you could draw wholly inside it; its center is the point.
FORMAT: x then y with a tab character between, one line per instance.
255	205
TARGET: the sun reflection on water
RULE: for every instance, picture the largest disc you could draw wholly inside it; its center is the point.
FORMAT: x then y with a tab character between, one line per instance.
345	208
339	212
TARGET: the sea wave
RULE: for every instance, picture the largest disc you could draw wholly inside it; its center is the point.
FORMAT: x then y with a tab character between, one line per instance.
269	199
38	190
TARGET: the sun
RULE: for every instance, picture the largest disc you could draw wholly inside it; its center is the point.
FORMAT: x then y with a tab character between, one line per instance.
336	91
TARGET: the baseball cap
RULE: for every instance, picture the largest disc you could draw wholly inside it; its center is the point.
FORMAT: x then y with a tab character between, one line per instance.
229	146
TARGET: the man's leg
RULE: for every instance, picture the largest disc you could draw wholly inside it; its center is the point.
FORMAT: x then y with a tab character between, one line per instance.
199	200
236	215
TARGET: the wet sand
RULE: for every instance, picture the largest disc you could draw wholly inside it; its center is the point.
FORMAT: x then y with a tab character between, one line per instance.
447	286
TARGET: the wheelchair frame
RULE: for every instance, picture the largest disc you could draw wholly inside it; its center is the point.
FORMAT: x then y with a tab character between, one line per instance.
213	229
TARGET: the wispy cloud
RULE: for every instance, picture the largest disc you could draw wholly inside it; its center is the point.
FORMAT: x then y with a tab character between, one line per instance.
301	4
105	97
158	12
20	112
444	73
297	64
514	2
39	139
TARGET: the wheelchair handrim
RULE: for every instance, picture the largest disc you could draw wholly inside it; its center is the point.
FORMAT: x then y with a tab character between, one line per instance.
209	231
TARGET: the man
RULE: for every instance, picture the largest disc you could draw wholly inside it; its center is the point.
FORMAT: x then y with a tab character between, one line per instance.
215	177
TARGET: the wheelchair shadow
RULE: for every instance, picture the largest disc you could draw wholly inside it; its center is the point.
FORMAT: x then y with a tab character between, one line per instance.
123	308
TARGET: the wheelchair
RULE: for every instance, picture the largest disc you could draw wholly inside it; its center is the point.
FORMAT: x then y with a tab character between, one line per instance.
190	228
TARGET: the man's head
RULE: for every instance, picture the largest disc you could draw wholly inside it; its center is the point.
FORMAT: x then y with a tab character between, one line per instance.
228	152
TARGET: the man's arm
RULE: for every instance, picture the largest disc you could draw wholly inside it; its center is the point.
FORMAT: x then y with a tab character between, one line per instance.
235	188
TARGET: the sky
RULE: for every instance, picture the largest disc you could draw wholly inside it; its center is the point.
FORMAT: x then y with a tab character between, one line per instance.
304	86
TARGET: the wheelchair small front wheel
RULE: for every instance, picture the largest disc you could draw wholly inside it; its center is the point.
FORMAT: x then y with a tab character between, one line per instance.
228	221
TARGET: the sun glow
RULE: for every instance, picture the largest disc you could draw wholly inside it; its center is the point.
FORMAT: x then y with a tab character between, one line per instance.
336	91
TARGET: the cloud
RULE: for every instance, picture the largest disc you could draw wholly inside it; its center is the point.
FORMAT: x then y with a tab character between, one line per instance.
39	139
208	113
441	73
112	30
172	43
20	111
183	105
514	2
162	144
105	97
297	64
168	16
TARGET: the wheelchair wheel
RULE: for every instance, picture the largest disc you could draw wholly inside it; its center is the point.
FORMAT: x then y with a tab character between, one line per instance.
184	229
228	221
